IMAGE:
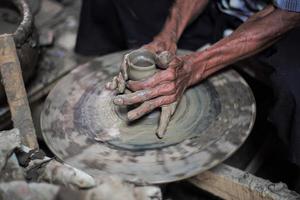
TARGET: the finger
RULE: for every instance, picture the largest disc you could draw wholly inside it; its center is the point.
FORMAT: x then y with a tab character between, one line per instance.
175	62
173	49
160	47
173	107
121	83
144	95
115	82
156	79
112	85
165	116
152	48
131	98
148	106
164	58
108	85
126	91
124	67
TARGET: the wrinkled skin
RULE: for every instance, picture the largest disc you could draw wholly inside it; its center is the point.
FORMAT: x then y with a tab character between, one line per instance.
164	45
165	48
164	89
167	86
163	60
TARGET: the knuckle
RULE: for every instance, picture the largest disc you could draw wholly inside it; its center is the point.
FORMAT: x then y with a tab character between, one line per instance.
160	91
172	98
173	87
146	94
145	84
132	85
171	74
167	100
170	88
149	105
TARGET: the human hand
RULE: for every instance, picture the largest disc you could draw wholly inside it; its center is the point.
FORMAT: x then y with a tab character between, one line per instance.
164	48
163	42
164	89
119	82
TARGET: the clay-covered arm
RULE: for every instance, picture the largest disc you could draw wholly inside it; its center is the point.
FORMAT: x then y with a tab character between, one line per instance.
256	34
167	86
181	14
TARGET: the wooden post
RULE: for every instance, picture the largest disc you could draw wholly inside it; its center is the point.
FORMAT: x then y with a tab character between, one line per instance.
15	91
231	183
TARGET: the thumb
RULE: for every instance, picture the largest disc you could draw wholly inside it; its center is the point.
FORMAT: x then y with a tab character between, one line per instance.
164	58
124	67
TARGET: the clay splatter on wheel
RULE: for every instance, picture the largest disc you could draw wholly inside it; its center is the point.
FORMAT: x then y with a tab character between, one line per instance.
82	126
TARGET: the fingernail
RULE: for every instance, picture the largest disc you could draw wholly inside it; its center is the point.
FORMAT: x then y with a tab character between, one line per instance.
159	136
131	116
118	101
121	90
160	133
107	85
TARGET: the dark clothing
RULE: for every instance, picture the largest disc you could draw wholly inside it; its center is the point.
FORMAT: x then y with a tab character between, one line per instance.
113	25
286	86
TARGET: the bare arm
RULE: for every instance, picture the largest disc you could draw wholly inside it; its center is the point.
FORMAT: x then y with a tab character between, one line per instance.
167	86
181	14
255	35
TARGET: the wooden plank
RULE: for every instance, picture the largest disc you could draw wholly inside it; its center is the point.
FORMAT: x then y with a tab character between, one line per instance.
15	91
228	182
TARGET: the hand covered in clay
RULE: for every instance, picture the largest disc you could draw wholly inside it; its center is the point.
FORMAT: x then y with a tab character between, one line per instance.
164	47
164	89
118	82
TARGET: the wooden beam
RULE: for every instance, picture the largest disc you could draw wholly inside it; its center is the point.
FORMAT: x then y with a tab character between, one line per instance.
15	91
228	182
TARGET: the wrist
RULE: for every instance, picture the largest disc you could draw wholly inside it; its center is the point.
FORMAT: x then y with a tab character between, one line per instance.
162	42
203	64
169	35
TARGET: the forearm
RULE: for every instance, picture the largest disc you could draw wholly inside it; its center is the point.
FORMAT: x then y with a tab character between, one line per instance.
181	14
256	34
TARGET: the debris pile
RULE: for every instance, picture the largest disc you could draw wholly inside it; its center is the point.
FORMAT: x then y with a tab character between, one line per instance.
28	174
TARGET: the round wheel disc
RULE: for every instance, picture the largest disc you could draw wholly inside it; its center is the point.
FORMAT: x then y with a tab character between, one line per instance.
82	126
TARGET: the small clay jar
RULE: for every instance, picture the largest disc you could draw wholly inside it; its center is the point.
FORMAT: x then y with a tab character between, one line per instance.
141	64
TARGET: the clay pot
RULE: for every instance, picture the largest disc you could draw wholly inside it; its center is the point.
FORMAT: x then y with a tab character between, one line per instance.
141	64
16	19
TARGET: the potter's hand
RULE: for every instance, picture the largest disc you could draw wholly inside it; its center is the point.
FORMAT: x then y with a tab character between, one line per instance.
164	47
119	81
164	89
162	59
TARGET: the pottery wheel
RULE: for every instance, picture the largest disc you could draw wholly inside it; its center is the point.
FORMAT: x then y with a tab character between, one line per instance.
82	126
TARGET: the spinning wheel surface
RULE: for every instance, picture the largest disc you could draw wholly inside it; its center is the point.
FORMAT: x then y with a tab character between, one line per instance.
84	128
